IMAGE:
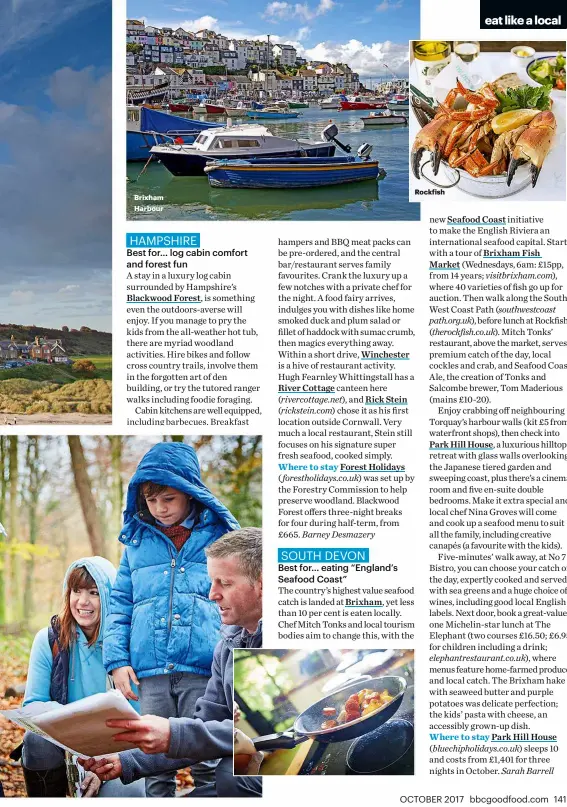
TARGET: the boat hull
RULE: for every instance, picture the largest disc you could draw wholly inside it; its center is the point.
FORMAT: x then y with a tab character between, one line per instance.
384	120
179	108
297	105
301	173
213	109
181	164
402	106
354	105
259	115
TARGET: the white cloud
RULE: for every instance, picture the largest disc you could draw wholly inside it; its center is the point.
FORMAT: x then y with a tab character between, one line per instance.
281	10
70	287
368	60
277	10
387	5
20	296
206	21
24	20
303	33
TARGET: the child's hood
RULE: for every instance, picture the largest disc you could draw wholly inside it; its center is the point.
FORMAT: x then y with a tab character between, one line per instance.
103	573
175	465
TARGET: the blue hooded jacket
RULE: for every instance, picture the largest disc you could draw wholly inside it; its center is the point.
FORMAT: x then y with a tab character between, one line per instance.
161	620
83	668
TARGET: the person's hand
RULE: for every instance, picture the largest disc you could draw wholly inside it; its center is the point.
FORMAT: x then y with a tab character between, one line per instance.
90	785
236	713
242	743
105	769
248	764
122	677
150	733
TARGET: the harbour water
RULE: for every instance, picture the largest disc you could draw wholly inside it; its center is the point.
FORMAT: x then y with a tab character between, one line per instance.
193	198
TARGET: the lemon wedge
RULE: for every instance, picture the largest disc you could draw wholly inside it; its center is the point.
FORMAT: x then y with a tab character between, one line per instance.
507	121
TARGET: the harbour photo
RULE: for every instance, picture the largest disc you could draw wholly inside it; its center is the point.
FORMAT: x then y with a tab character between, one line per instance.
295	112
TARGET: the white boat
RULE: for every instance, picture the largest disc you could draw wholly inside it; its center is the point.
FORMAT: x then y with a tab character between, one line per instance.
199	109
235	142
332	102
238	111
384	118
400	101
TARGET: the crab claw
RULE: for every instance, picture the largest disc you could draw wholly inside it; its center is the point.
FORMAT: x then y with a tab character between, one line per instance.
533	145
436	159
416	161
535	173
513	165
432	137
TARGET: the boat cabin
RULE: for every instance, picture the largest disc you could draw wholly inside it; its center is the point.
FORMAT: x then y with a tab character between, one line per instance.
233	138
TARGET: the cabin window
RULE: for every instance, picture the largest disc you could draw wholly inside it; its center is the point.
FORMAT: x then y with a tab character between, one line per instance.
133	115
248	144
202	138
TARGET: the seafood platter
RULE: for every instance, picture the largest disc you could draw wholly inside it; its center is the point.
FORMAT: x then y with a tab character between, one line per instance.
492	141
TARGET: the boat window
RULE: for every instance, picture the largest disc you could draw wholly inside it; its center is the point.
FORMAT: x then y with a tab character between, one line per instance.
248	144
133	115
202	138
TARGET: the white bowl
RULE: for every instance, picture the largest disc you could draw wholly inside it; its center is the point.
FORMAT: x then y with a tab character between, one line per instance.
522	61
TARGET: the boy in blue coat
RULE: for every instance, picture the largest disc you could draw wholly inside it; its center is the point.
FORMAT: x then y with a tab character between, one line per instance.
162	628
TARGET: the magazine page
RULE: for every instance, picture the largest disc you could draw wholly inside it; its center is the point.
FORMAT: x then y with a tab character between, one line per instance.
283	430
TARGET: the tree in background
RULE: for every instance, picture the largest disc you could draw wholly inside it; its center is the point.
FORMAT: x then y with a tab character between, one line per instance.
37	475
117	490
3	553
84	491
13	528
241	478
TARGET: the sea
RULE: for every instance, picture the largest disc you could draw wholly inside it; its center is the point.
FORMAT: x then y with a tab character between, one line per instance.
191	198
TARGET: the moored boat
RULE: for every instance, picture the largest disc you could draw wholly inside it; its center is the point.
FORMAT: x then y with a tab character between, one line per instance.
272	113
332	102
238	111
137	94
214	109
385	118
291	172
399	101
360	102
179	106
235	142
146	128
298	105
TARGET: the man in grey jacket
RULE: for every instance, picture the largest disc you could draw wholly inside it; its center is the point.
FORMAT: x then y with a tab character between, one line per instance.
234	563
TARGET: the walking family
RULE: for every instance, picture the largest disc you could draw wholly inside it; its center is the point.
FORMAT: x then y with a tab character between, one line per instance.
161	630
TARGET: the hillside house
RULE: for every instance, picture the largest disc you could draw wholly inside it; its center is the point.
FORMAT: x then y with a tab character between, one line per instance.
48	350
286	54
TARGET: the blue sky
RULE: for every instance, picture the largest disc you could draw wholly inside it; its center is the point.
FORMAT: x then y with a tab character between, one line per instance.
55	162
365	34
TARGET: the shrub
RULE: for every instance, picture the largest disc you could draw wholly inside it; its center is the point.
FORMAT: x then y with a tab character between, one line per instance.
84	367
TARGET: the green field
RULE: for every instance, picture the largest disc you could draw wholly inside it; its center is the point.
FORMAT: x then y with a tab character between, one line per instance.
60	373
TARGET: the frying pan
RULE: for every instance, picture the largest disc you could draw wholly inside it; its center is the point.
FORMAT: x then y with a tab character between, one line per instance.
308	724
